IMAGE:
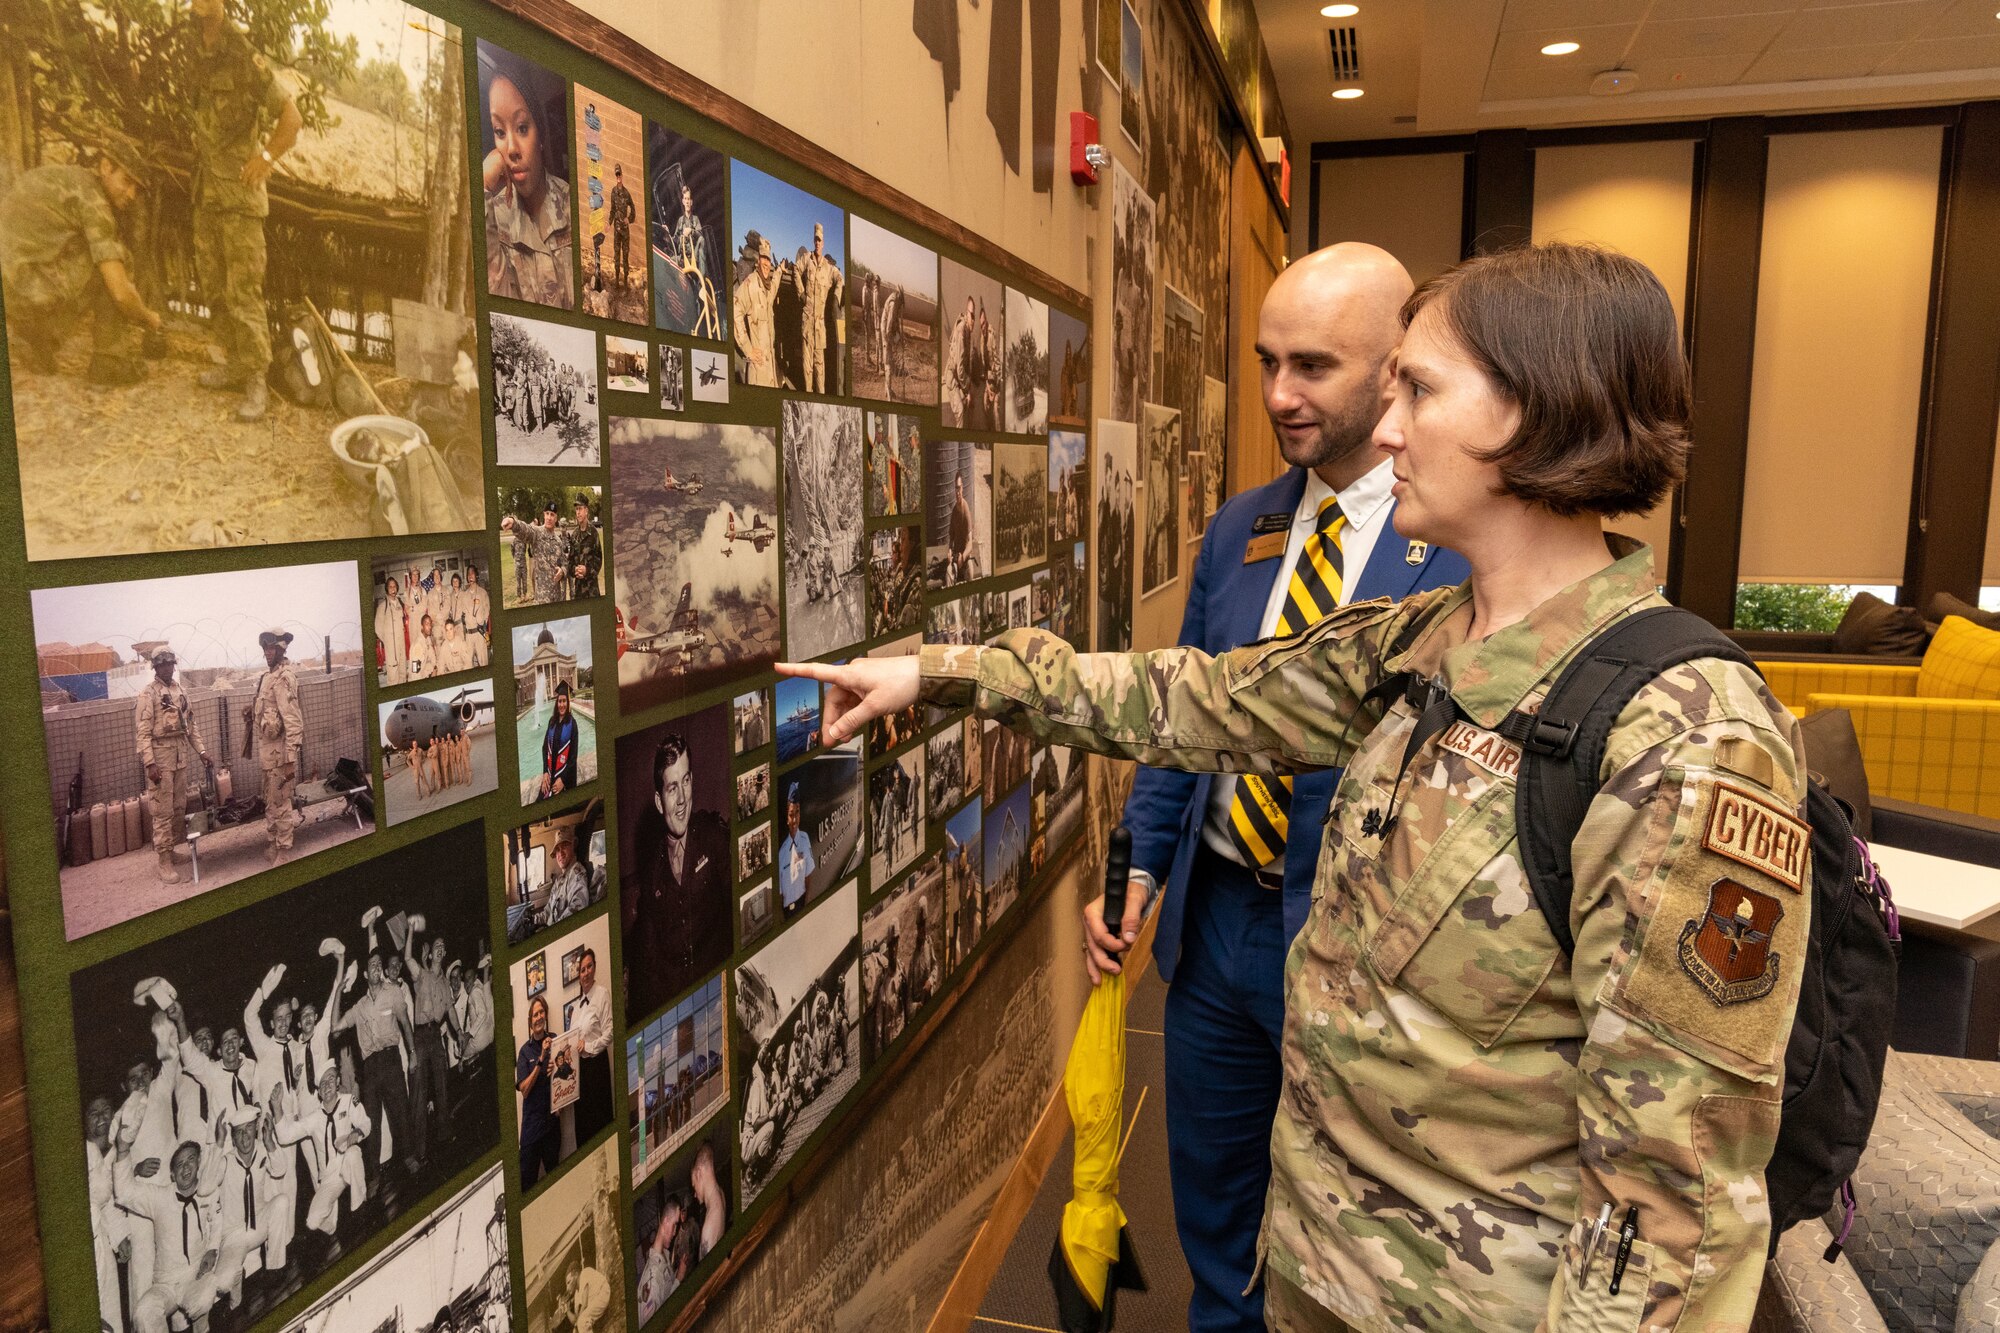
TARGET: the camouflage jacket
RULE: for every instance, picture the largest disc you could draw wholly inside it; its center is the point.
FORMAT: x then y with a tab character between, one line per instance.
1459	1099
56	227
237	98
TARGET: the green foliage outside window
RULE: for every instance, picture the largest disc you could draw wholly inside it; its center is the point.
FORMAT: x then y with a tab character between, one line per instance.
1799	608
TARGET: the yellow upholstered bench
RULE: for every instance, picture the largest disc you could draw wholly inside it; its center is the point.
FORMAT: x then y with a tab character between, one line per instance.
1930	733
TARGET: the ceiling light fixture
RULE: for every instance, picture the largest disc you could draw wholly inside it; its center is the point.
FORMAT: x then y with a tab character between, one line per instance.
1347	94
1562	48
1340	11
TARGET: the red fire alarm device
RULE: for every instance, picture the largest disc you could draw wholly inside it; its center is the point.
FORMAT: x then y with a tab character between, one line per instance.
1086	154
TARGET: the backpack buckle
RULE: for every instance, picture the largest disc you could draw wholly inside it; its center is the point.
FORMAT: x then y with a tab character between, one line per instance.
1551	736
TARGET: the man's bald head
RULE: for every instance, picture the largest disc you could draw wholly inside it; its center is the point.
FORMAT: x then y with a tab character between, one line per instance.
1326	336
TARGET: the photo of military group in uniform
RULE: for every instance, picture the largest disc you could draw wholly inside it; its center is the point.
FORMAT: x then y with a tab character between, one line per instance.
552	538
524	171
1134	265
1069	370
545	399
798	1004
554	867
895	463
611	204
965	894
972	309
902	960
958	513
753	792
1020	506
237	278
1115	533
438	749
266	1091
433	614
788	291
1161	560
824	575
201	729
892	308
1027	396
695	579
689	240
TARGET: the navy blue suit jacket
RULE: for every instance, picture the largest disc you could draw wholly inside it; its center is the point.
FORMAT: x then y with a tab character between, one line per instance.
1225	609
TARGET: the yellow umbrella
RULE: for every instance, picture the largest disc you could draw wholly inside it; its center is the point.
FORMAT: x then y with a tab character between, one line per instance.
1093	1256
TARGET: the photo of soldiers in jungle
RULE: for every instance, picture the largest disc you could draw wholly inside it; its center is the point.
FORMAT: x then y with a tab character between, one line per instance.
790	322
235	248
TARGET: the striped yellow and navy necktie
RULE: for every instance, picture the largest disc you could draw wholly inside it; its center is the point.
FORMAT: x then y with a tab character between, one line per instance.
1260	814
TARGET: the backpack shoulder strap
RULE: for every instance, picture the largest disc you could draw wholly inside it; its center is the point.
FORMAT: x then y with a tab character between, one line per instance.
1563	744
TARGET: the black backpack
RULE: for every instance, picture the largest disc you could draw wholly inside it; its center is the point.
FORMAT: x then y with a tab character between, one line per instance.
1847	998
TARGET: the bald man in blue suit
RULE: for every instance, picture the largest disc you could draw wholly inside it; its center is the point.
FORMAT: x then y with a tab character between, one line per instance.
1236	855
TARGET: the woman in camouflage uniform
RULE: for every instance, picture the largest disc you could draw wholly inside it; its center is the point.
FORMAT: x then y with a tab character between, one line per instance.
1461	1098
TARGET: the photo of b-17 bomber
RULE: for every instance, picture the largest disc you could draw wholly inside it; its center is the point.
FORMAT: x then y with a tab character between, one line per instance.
695	564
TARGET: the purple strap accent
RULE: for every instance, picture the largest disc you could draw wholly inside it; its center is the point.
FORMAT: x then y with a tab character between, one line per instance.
1871	878
1846	1197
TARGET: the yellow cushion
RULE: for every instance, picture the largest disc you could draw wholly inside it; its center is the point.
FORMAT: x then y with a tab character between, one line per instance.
1963	662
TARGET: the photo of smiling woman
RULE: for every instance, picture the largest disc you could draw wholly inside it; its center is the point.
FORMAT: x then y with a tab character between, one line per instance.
524	127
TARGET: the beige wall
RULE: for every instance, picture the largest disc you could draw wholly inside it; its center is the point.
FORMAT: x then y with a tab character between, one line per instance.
852	76
1635	198
1410	206
1842	304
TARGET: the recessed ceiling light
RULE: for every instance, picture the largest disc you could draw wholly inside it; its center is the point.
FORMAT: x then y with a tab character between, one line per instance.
1340	11
1347	94
1562	48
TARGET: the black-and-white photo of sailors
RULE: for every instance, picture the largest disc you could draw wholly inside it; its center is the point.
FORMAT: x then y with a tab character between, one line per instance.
267	1090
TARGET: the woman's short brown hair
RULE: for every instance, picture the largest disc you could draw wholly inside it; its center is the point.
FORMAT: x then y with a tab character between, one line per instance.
1584	342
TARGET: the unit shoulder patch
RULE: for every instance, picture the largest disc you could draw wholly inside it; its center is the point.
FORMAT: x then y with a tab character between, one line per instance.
1727	950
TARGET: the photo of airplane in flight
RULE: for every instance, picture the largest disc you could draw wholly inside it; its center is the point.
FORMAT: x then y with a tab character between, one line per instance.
690	487
676	644
759	534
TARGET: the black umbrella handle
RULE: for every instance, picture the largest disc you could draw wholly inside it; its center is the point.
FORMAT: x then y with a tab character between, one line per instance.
1117	874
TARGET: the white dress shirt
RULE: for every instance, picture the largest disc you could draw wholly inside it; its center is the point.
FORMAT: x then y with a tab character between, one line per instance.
593	1019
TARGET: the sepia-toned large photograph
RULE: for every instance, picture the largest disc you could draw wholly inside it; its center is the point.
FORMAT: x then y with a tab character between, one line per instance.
311	1067
690	244
787	299
611	201
236	255
696	576
895	815
825	596
676	1076
1133	269
454	1260
1116	533
972	309
675	896
433	614
892	308
545	393
797	1006
1177	378
1020	506
958	513
572	1257
524	170
201	729
902	957
965	895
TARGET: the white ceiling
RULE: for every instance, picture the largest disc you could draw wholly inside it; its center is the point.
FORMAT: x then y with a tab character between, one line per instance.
1449	66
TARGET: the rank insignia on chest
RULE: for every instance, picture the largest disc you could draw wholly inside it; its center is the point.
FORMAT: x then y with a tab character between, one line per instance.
1728	950
1415	555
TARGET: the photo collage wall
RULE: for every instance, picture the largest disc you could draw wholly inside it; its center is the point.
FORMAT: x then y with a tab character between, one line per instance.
397	969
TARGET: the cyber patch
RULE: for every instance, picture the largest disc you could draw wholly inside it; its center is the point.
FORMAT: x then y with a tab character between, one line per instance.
1727	951
1751	830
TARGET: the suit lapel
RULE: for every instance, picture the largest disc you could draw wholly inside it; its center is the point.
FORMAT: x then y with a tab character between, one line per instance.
1389	572
1248	587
